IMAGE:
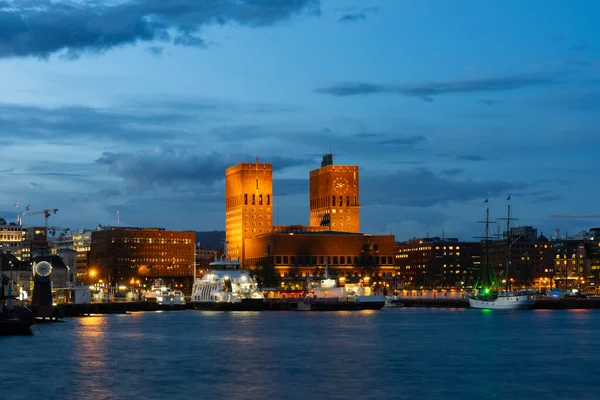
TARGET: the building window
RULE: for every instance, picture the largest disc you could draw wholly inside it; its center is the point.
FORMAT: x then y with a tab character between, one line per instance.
278	260
333	201
342	260
260	199
285	259
340	201
335	259
253	199
268	200
347	201
246	199
321	260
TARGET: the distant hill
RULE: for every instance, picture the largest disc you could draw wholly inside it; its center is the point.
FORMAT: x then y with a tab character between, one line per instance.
210	239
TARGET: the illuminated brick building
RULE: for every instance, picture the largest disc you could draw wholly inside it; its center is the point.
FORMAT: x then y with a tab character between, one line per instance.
437	263
531	262
248	204
334	196
289	258
119	254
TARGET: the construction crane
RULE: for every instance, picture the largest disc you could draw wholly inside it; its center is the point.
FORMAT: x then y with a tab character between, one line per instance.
47	212
574	216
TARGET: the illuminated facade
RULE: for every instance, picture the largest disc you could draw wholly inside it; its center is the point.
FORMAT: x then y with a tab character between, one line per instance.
287	259
437	263
334	196
120	254
248	204
12	238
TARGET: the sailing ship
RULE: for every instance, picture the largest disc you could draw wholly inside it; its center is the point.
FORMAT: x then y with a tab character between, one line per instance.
488	293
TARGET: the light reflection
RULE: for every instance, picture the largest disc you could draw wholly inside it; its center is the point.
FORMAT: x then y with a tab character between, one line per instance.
91	358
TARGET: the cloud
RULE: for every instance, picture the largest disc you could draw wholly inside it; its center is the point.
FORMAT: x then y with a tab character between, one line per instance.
290	187
451	171
469	157
357	17
426	91
488	102
40	28
579	47
422	188
155	50
547	199
176	168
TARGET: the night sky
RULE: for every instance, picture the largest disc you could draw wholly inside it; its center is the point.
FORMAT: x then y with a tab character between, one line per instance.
140	105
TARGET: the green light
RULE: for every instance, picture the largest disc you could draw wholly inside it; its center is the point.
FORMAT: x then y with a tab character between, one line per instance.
487	291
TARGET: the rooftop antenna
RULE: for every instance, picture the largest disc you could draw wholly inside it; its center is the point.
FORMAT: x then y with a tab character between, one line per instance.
118	218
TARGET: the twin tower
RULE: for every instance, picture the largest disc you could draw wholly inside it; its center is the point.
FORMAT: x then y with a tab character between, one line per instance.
334	201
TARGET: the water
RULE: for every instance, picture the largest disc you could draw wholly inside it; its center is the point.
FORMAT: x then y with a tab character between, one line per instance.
404	353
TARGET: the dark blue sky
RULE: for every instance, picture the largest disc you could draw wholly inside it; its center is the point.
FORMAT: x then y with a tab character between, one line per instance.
140	105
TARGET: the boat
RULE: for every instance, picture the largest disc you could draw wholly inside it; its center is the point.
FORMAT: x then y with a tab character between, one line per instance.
171	298
393	301
326	295
164	295
226	286
489	296
13	320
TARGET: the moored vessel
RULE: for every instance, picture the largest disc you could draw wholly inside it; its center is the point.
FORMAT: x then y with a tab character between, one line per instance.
488	294
226	286
326	295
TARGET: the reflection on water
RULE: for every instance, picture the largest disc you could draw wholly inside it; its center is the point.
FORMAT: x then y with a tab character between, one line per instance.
389	354
92	359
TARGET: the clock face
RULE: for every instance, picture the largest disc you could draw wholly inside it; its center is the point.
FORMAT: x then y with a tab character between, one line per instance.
340	185
43	268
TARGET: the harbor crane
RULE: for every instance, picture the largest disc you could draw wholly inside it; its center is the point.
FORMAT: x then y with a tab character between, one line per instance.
47	212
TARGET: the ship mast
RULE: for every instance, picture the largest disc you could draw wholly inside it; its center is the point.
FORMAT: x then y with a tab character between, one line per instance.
486	274
509	243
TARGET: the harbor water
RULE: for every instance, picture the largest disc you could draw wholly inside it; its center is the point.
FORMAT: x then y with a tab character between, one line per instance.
400	353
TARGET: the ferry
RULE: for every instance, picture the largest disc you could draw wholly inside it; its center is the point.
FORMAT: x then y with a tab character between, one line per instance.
325	295
227	287
164	295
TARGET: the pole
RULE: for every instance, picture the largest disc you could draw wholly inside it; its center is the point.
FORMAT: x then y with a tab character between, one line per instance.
194	262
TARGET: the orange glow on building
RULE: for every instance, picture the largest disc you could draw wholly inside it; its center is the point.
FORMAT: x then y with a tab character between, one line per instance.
248	204
334	196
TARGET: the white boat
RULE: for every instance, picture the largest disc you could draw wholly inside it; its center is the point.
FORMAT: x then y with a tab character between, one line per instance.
164	295
227	287
502	301
171	298
325	295
494	299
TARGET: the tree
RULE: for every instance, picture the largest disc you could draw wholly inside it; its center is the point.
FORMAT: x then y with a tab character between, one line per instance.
364	264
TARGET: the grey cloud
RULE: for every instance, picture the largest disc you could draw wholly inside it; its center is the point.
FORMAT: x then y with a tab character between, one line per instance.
289	187
547	199
353	17
155	50
404	140
173	167
130	122
579	47
407	162
468	157
425	91
423	188
488	102
451	171
40	28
